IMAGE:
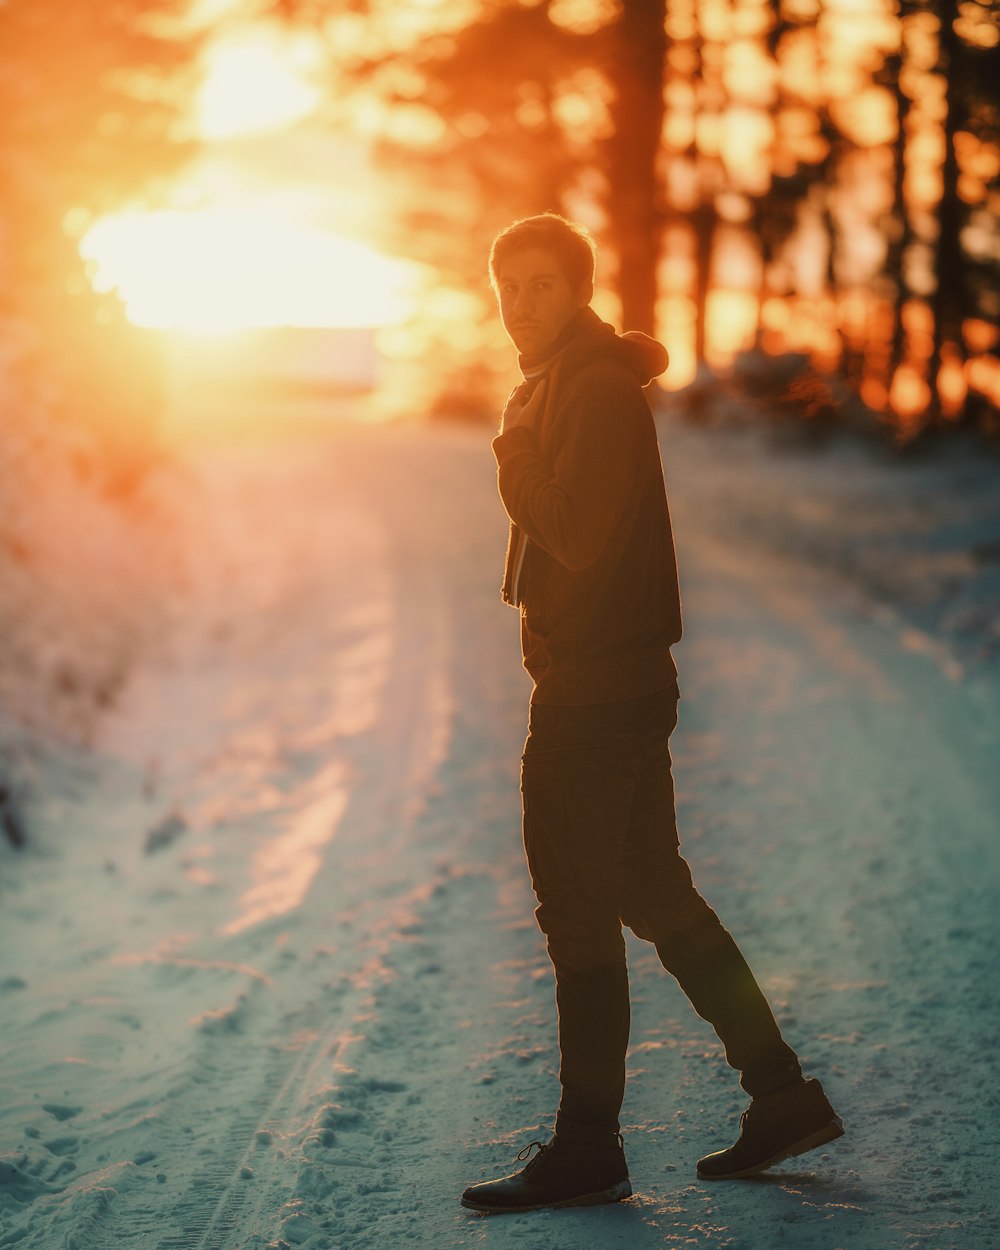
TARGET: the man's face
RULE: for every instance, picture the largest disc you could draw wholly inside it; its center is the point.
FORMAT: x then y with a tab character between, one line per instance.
536	299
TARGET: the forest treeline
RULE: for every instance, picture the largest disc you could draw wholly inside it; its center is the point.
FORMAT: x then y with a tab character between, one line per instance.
91	99
85	120
795	176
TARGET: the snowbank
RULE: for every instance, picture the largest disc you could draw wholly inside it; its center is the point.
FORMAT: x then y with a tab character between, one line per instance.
86	579
915	531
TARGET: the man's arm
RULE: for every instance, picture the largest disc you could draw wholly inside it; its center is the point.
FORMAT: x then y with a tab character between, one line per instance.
571	509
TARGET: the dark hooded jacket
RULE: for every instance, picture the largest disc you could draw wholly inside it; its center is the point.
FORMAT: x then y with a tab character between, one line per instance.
583	482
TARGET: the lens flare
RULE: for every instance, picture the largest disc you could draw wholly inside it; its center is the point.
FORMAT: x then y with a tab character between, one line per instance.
221	270
256	79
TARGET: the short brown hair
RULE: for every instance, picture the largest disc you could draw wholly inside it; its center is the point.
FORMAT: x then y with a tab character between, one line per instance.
572	244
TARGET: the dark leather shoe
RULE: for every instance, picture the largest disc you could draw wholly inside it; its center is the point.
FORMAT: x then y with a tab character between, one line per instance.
775	1126
562	1174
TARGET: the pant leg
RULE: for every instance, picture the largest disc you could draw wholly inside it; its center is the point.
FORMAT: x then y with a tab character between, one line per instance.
577	788
661	904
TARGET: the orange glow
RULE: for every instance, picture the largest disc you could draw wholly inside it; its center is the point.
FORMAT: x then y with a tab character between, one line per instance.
867	117
238	248
799	67
983	373
291	161
678	125
801	139
980	335
918	322
709	129
874	393
257	78
976	25
583	17
581	106
979	163
675	316
920	38
219	270
909	394
677	270
731	322
716	19
923	181
746	138
952	387
776	315
855	308
981	160
813	329
284	868
748	73
855	37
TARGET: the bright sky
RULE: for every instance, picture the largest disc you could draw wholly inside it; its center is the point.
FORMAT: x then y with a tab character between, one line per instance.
242	256
258	78
223	270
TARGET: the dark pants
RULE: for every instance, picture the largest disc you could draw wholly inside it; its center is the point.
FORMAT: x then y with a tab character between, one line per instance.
600	834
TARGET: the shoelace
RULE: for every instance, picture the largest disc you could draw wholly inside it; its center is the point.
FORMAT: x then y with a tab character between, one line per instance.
542	1147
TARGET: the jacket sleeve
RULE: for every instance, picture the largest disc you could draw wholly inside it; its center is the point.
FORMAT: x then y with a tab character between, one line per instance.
570	507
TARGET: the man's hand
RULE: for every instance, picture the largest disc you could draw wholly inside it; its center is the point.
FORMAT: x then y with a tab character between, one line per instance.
524	406
513	410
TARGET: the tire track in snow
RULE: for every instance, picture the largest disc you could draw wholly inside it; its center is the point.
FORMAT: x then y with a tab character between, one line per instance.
223	1205
401	739
264	1049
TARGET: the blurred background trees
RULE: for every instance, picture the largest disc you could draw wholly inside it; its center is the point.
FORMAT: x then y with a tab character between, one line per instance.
807	176
88	117
811	180
90	101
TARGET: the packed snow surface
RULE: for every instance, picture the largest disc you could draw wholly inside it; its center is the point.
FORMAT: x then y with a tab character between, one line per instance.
269	975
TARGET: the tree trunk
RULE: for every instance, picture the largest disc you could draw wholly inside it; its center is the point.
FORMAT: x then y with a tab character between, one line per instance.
901	238
636	66
949	263
704	220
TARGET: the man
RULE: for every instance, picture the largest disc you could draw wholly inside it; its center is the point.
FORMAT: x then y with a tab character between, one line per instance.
590	566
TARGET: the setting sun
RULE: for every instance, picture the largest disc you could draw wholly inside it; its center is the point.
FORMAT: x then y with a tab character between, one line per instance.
220	270
257	78
245	257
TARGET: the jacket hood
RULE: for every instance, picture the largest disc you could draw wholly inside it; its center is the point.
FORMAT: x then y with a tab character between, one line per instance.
587	337
645	356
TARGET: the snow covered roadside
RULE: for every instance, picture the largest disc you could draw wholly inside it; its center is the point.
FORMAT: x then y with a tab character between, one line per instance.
85	581
271	977
918	533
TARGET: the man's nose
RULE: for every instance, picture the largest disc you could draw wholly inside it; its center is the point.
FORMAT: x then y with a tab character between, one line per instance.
524	303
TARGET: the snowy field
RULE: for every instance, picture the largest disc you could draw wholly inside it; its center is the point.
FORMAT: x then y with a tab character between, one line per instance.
269	975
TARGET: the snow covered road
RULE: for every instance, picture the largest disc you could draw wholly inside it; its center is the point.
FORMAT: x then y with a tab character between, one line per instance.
269	974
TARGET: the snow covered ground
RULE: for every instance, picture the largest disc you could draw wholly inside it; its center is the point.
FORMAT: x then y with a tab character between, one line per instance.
269	975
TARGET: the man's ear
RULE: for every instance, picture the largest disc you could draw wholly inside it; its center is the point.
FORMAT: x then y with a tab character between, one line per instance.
585	294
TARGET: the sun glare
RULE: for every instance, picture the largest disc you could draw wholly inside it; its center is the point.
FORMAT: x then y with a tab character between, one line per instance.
219	271
256	79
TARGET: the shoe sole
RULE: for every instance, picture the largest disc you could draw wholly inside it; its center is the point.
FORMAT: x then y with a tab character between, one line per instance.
829	1132
616	1193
